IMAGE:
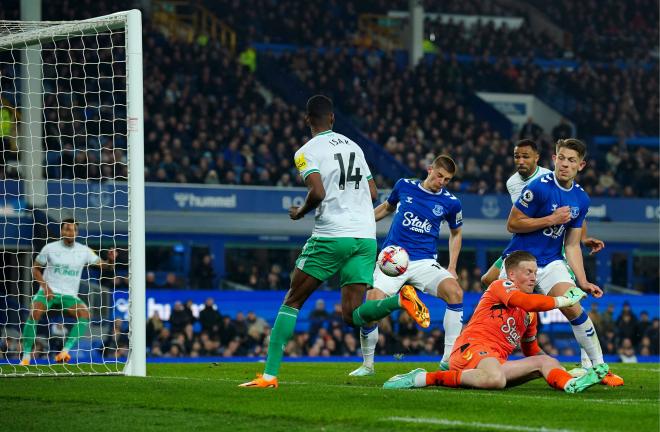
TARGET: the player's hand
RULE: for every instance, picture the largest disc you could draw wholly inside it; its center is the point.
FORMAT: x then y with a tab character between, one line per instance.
561	215
294	213
112	255
592	289
594	244
47	292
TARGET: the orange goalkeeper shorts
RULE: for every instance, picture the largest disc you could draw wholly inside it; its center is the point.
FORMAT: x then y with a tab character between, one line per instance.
469	354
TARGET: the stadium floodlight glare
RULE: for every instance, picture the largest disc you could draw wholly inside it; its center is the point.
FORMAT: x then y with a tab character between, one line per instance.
71	126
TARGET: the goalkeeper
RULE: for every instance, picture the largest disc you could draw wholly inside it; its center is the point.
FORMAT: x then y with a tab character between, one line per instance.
504	319
63	261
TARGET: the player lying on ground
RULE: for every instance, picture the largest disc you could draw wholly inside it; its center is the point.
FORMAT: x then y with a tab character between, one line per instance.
64	261
504	319
421	207
342	191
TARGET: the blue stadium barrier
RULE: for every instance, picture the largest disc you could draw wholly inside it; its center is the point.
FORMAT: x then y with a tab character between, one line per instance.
265	304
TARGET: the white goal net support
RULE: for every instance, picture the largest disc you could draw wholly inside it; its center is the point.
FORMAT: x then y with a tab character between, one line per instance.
72	148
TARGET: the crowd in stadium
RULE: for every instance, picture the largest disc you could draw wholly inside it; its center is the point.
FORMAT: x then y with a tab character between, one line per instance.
197	132
630	334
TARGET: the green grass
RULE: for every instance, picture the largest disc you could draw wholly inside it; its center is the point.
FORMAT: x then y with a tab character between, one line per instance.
318	396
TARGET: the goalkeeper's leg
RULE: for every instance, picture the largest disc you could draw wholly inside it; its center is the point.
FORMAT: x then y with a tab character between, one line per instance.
38	308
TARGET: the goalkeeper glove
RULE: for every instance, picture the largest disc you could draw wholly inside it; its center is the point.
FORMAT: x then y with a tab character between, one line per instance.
570	297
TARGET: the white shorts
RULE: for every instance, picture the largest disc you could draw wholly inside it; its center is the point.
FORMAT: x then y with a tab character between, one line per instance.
424	275
548	276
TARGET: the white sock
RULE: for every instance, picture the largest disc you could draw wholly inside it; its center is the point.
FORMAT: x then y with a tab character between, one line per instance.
585	334
268	377
420	379
368	341
453	324
584	359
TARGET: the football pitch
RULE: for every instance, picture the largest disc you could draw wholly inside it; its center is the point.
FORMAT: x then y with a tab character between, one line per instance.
320	397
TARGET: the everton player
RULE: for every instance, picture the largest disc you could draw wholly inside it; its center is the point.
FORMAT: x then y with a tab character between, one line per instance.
420	208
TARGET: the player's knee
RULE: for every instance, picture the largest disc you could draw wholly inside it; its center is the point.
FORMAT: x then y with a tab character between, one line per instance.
375	294
453	293
348	317
496	381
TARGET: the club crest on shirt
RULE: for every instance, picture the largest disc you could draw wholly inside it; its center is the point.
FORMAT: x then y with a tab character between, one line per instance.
575	212
438	210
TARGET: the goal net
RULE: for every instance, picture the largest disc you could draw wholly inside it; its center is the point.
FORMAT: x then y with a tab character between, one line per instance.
71	134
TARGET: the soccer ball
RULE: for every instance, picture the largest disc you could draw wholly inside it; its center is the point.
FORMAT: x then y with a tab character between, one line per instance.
393	260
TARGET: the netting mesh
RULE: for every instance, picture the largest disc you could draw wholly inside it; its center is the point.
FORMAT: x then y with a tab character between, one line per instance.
63	127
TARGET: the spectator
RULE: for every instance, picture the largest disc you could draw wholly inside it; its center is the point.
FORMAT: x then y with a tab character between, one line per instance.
210	318
179	318
203	275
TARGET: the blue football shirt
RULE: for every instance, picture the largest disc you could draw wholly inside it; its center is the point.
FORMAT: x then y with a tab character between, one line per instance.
419	215
539	199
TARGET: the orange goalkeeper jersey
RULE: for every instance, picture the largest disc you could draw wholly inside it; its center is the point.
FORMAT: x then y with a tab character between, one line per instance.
497	324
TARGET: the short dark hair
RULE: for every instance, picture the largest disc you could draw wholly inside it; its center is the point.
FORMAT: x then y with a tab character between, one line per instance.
319	106
527	143
444	161
515	258
572	144
68	221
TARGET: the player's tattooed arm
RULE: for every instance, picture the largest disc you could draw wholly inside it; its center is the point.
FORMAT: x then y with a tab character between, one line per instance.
373	190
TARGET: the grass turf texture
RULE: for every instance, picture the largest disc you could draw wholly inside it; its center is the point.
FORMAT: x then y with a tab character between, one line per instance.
319	396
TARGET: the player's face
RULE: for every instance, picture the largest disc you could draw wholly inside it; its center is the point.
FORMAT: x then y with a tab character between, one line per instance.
437	179
69	233
524	276
567	164
526	160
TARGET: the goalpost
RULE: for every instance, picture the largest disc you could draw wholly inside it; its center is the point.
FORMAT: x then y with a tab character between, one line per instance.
71	129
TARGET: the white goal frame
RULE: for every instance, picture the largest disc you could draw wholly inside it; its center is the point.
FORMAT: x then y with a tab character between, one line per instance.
131	22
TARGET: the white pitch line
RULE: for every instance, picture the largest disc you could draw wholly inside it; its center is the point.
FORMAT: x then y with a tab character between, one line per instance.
507	394
475	425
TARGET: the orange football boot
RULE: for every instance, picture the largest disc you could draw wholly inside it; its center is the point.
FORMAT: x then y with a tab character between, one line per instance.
612	380
414	306
63	357
260	382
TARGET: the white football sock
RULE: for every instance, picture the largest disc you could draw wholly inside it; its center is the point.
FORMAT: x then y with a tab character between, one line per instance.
453	324
368	341
585	334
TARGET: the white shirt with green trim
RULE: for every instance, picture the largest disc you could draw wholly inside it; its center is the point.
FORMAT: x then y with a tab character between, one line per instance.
347	210
64	265
516	183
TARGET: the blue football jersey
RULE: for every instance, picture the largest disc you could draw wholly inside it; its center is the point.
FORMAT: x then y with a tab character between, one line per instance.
539	199
419	214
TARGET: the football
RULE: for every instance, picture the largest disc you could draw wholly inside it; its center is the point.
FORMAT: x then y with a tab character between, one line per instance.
393	260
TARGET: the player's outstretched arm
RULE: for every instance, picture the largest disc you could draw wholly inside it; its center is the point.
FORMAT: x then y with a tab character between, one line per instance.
108	264
315	196
542	303
520	223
